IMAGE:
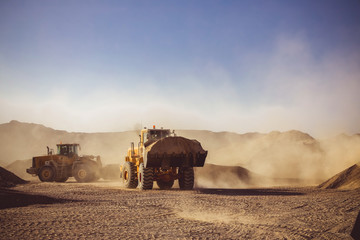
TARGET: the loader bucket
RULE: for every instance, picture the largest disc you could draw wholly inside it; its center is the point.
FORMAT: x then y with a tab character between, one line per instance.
175	152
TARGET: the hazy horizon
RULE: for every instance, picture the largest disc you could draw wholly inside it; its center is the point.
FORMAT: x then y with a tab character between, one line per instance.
288	154
138	127
237	66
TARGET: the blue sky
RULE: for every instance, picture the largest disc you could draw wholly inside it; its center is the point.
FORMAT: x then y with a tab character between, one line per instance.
217	65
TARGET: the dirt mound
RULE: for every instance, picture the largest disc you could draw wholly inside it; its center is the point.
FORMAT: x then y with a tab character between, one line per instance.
19	167
8	179
217	170
217	176
177	145
347	179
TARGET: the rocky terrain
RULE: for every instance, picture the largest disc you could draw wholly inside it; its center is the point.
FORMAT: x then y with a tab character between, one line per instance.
105	210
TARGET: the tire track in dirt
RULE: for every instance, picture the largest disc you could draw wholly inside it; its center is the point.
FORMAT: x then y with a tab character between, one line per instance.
107	211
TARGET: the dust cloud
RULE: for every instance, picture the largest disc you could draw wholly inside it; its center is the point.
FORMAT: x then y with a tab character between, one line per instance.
340	152
234	160
277	158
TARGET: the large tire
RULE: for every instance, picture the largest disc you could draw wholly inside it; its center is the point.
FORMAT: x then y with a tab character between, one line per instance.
129	175
145	177
82	173
186	178
47	174
63	179
165	185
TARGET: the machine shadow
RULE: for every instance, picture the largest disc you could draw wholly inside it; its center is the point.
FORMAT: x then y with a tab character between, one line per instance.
249	192
355	233
11	199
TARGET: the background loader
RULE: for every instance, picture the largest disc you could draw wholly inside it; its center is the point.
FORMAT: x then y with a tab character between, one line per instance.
163	157
66	163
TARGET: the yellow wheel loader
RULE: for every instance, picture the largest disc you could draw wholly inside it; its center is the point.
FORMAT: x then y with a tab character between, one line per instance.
66	163
163	157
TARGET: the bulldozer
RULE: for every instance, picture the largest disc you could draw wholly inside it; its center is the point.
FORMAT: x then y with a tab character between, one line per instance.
64	164
163	157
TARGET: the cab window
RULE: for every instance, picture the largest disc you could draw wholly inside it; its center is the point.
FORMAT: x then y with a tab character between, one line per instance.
158	134
64	150
76	149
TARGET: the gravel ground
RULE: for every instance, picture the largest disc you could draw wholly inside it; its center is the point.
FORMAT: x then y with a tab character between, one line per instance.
105	210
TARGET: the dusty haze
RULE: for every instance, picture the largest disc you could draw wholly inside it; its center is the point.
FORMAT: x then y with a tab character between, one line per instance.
288	155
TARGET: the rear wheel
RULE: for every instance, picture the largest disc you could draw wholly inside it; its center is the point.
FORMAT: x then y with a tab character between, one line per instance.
82	173
145	177
129	175
186	178
165	185
47	174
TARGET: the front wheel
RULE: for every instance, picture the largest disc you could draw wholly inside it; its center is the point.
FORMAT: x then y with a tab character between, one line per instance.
47	174
145	177
129	175
186	178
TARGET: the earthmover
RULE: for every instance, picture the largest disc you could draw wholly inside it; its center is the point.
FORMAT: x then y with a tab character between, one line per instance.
163	157
66	163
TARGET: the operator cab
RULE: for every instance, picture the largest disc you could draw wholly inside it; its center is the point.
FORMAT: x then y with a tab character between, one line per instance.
157	134
150	136
67	149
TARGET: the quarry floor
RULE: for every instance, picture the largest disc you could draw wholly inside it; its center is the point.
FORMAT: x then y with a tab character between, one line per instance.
105	210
